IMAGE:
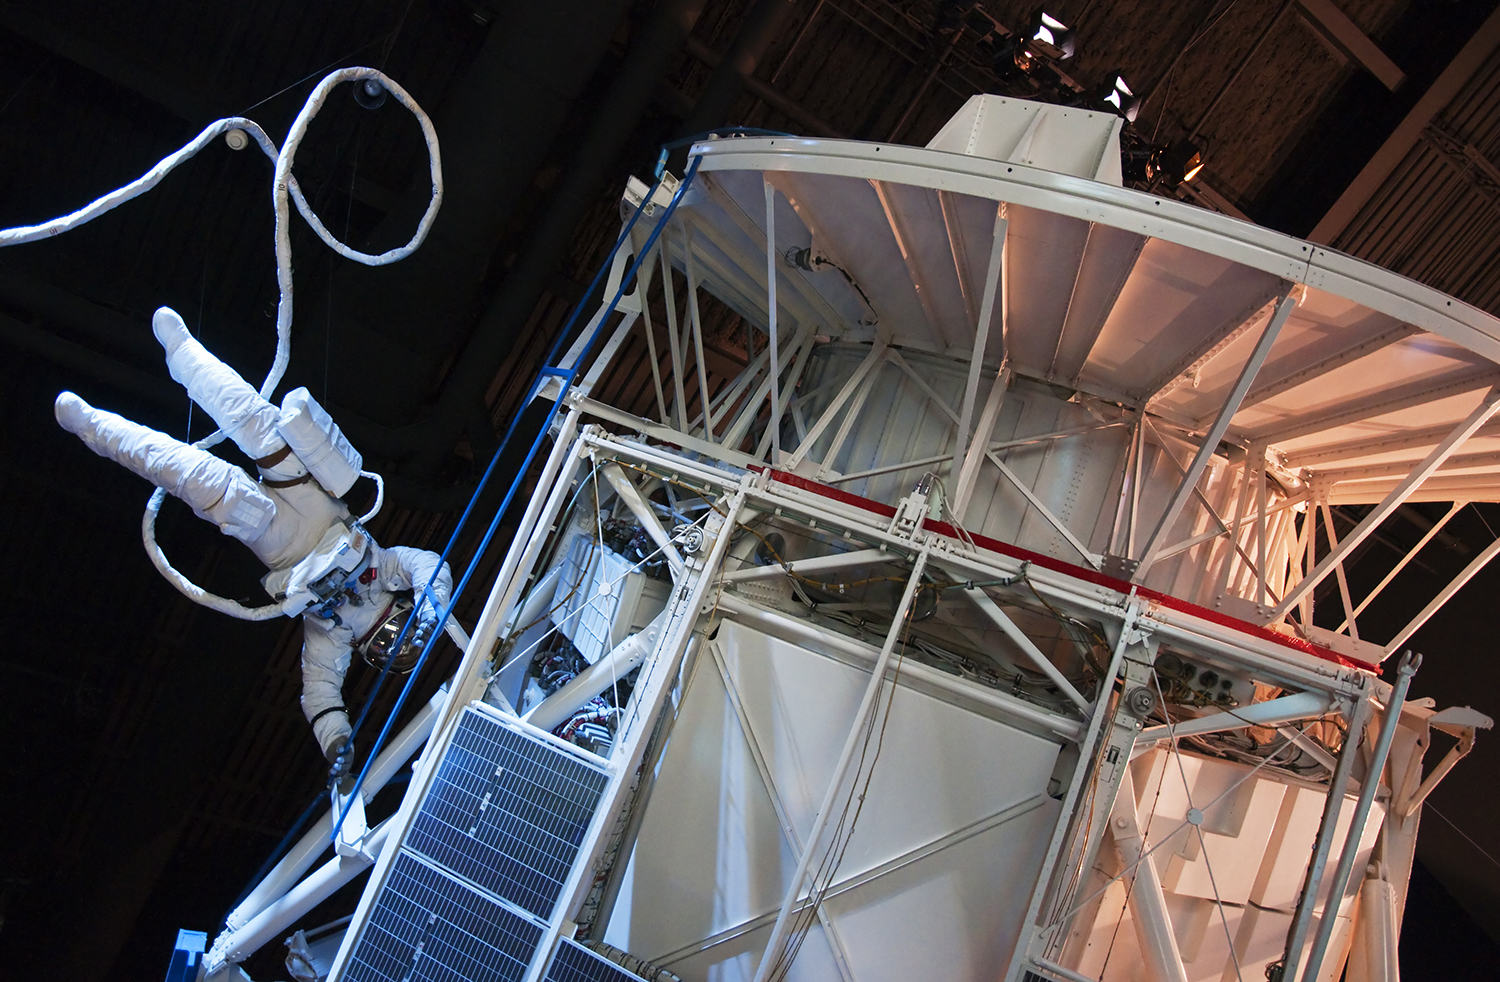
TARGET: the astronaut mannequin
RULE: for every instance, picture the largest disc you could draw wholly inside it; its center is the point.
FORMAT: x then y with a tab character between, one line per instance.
288	519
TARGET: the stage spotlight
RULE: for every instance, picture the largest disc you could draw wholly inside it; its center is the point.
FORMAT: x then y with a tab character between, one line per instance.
1120	99
1141	164
1051	37
1181	162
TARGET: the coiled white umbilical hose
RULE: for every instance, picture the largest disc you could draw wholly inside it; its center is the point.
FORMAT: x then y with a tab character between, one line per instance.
284	189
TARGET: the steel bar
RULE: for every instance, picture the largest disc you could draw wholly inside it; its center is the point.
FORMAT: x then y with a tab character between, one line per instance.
1234	525
1028	647
803	342
1089	557
1215	433
771	328
1285	709
314	842
1338	569
895	359
239	944
650	329
819	564
1408	667
867	705
1153	925
679	365
973	457
994	274
631	496
1086	749
1443	597
1327	828
1487	407
871	361
997	701
691	270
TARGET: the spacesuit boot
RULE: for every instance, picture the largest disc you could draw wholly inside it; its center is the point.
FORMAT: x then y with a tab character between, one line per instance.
215	489
240	411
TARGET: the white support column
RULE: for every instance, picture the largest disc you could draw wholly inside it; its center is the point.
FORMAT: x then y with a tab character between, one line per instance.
631	495
804	345
973	457
1153	925
1333	543
771	329
679	367
871	361
751	409
645	279
993	285
696	321
771	957
1215	434
1487	407
1284	709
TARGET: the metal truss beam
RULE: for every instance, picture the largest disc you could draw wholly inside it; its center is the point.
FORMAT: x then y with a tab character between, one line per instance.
1382	403
1213	343
1272	387
1216	433
1455	439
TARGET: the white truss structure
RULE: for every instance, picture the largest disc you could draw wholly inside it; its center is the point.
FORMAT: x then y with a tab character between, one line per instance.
1020	459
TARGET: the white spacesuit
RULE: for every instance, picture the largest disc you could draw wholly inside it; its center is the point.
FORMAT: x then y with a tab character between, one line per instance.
323	564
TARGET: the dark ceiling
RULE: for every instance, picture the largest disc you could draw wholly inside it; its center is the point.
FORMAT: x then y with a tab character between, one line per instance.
156	751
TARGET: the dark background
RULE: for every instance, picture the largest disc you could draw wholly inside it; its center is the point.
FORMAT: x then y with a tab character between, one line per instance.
156	753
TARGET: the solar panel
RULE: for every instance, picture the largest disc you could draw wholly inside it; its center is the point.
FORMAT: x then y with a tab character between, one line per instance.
507	812
484	862
429	926
575	963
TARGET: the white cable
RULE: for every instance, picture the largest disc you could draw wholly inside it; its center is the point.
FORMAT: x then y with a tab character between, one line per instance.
284	188
379	495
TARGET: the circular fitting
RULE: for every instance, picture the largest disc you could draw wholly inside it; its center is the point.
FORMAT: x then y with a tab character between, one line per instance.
691	539
237	139
1194	817
1140	701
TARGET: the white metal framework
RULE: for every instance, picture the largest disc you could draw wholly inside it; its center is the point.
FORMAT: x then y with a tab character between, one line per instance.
983	645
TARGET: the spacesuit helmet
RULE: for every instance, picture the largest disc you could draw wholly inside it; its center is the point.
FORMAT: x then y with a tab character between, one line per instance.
379	647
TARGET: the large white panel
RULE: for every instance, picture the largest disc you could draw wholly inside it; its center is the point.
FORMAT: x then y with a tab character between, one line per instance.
710	854
954	914
940	768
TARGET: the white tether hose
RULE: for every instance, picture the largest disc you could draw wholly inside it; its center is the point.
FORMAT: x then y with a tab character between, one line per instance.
284	187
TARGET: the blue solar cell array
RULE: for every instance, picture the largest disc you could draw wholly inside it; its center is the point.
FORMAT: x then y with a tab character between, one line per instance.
469	894
575	963
429	927
507	812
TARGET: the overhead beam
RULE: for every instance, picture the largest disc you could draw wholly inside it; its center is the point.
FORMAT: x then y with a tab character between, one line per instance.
1085	321
1424	439
1393	500
1212	343
1210	444
1273	387
1469	60
1398	468
1335	27
908	259
1381	403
